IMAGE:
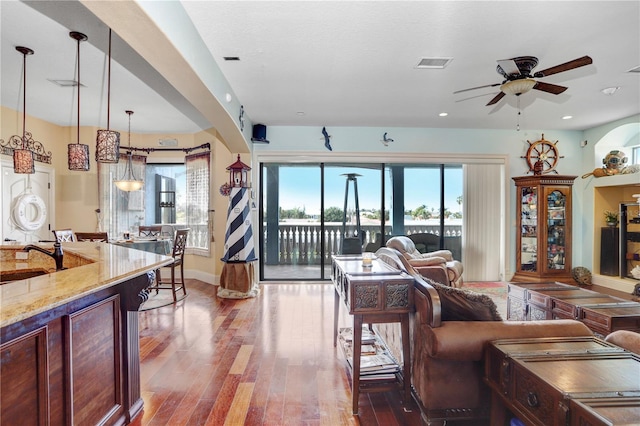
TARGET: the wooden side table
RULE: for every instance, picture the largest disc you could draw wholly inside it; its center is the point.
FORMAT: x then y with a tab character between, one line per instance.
375	294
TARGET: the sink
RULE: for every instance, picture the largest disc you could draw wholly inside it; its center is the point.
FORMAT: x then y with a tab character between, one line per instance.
6	276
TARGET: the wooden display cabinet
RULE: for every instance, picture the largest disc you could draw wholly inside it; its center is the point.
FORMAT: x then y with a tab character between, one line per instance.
543	240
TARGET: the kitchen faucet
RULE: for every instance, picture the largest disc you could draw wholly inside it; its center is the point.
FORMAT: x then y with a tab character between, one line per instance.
57	253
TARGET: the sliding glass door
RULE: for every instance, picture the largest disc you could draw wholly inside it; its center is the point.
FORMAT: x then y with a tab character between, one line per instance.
309	212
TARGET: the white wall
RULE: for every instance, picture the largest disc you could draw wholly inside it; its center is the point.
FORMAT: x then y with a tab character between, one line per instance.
446	145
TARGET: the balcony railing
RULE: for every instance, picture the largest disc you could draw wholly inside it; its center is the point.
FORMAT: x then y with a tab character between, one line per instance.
300	243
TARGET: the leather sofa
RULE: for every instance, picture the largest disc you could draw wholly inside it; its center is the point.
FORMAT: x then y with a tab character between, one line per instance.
420	261
447	357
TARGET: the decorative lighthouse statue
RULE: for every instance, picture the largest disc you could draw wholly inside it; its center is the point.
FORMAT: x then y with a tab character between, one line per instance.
237	280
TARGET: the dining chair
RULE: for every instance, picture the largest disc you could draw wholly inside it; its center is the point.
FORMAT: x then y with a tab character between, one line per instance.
92	236
149	230
65	235
179	244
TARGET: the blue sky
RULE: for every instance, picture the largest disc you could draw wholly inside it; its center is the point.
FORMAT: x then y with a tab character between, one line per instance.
300	187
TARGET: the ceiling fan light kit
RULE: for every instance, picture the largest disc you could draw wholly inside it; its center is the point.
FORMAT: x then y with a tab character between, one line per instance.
518	87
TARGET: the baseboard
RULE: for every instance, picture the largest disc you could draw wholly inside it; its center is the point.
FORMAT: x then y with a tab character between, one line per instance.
202	276
625	285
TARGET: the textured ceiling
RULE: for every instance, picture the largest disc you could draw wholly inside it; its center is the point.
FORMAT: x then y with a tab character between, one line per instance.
341	63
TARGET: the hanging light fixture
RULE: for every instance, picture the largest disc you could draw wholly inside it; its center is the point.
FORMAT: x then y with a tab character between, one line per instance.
129	182
108	141
78	154
23	161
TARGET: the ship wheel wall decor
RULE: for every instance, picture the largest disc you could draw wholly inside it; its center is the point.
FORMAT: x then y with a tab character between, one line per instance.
542	156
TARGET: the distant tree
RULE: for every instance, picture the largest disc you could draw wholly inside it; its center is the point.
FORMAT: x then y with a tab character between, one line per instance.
333	214
294	213
375	214
422	212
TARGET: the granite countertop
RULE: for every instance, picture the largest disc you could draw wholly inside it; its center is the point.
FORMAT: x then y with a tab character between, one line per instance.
92	266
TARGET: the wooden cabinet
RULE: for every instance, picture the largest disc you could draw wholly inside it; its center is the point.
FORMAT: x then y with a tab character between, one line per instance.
543	241
562	381
602	313
77	363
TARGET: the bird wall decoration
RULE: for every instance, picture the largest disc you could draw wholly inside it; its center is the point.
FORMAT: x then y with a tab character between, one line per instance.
385	140
327	138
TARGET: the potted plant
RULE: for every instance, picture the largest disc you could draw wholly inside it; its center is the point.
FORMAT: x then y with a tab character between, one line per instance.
611	218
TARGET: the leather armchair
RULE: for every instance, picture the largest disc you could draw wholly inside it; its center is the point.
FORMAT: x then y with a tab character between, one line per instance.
447	357
419	261
626	339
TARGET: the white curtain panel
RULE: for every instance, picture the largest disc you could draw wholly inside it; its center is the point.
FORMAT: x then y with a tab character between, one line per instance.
483	222
120	210
198	185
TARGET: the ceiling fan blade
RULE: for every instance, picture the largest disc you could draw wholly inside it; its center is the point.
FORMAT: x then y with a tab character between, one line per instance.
479	87
509	66
550	88
576	63
496	99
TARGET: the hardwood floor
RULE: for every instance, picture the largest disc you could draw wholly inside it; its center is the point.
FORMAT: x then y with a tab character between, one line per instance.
268	360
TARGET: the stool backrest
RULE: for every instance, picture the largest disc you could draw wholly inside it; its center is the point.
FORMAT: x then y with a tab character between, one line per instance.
65	235
92	236
180	242
149	230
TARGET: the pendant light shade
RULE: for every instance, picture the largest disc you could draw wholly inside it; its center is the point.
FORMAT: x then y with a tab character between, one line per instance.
23	161
78	154
129	182
108	141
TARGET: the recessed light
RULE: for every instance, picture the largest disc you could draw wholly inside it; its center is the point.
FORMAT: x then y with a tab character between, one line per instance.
610	90
443	114
567	117
228	97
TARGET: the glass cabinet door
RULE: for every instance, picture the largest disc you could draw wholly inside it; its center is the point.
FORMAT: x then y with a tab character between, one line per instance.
556	229
529	228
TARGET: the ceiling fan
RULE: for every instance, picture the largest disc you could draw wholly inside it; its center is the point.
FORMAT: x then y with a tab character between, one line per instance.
519	80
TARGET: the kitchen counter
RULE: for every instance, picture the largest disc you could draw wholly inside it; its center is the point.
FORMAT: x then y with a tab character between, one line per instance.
69	340
92	266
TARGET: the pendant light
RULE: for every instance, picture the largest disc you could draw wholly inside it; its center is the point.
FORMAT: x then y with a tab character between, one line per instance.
108	141
129	182
23	161
78	154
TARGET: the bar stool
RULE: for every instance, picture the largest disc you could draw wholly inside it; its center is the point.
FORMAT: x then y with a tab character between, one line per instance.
179	244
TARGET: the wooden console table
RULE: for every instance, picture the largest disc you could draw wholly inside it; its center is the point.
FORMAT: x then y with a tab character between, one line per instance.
602	313
375	294
563	381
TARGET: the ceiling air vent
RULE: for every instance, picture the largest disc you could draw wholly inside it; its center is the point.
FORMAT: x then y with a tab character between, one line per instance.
636	69
168	142
66	83
438	63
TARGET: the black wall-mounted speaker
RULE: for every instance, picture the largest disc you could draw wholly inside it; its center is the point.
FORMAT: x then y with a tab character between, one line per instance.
259	133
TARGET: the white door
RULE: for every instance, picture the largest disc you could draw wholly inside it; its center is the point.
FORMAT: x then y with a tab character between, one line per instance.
18	210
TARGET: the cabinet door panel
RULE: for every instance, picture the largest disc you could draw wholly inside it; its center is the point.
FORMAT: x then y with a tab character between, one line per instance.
95	339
